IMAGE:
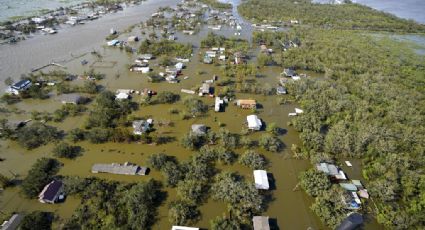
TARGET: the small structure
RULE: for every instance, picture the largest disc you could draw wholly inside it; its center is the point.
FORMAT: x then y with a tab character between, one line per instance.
122	96
331	170
281	90
72	98
146	56
261	179
205	89
207	59
348	163
141	126
246	104
261	222
199	129
289	73
113	42
298	111
133	39
188	91
183	228
51	192
218	104
141	68
179	66
18	87
253	122
12	223
121	169
353	221
348	186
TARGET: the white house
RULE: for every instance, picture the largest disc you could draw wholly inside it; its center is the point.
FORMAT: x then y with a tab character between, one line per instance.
253	122
218	104
261	180
183	228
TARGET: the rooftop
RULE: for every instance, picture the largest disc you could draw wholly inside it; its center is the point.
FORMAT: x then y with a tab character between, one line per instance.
261	222
123	169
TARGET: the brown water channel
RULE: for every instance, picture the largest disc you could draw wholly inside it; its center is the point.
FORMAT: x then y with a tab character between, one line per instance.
288	210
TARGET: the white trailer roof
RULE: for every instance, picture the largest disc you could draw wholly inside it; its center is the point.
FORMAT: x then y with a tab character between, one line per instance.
261	180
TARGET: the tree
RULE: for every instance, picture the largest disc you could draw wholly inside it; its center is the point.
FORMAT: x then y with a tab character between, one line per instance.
253	160
76	135
224	223
195	106
4	181
37	134
271	143
37	220
182	213
314	182
40	174
192	141
264	60
330	210
167	97
66	150
190	190
158	160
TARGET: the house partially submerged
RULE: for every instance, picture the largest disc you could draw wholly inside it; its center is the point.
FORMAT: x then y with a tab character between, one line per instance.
219	103
331	170
72	98
18	87
353	221
289	73
246	104
254	123
113	42
204	89
183	228
142	126
261	179
146	56
261	223
199	129
51	193
122	96
12	223
141	68
121	169
280	90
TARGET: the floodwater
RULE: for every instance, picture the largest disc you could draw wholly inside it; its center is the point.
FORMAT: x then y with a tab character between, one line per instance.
288	210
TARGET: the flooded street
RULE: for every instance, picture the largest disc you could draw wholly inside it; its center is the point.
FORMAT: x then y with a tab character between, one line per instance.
289	208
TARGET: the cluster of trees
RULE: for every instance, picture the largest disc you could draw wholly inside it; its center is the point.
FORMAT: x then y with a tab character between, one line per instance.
336	16
59	114
112	205
35	135
166	47
37	220
217	4
233	44
40	174
66	150
368	105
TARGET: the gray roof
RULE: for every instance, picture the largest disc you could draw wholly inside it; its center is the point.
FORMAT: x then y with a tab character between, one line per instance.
199	129
13	222
70	98
140	126
261	222
123	169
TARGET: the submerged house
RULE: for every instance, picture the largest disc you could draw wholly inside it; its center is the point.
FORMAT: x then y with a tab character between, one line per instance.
289	73
122	96
218	104
72	98
254	123
281	90
18	87
142	126
261	179
12	223
246	104
207	59
205	89
51	193
199	129
142	68
331	170
261	223
121	169
146	56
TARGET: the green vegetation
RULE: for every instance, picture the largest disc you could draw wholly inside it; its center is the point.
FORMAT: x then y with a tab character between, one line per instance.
233	44
336	16
113	205
329	208
4	181
40	174
66	150
253	160
217	5
195	106
223	223
271	143
37	220
166	47
167	97
314	182
182	213
37	134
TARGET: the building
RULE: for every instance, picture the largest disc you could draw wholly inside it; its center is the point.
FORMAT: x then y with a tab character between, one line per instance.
199	129
218	104
331	170
146	56
113	42
183	228
51	192
141	126
179	66
142	68
353	221
253	122
122	96
261	179
19	86
71	98
261	222
281	90
205	89
121	169
207	59
246	104
12	223
289	73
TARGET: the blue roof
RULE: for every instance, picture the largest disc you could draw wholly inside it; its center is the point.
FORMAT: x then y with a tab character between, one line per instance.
21	83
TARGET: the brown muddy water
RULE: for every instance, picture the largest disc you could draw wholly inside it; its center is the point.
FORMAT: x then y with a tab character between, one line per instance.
288	210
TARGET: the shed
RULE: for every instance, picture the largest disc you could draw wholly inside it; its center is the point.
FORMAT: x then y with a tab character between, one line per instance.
348	186
179	66
122	96
72	98
246	103
146	56
205	89
353	221
141	126
261	222
289	72
281	90
51	192
199	129
218	104
253	122
261	179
